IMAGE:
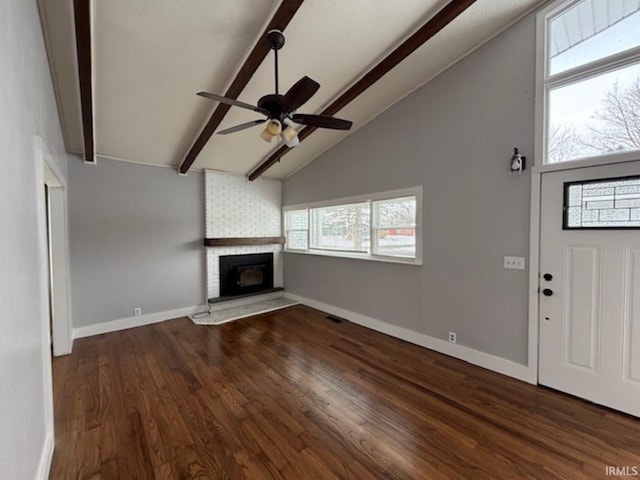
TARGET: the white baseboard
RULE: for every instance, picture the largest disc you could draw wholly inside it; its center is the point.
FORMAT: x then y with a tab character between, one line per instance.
131	322
44	465
475	357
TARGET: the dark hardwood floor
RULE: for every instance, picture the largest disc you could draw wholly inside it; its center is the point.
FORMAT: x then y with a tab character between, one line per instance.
291	394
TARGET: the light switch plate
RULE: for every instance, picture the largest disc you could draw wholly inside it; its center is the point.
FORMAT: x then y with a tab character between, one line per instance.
515	263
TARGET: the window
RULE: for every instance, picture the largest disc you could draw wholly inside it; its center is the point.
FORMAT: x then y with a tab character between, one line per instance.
602	204
383	226
297	229
394	227
341	227
591	79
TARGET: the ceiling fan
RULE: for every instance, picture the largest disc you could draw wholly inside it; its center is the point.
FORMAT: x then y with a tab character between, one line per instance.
280	108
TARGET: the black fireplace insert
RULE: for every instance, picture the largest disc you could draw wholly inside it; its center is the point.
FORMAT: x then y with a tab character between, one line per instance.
243	274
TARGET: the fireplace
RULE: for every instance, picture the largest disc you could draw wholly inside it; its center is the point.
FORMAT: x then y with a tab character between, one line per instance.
245	274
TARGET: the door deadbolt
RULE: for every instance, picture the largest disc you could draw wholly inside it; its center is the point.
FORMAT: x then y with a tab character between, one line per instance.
548	277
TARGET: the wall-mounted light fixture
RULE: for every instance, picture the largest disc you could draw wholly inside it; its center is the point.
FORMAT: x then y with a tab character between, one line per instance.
518	162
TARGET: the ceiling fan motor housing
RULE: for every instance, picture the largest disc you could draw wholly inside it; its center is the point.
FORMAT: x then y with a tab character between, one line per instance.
271	103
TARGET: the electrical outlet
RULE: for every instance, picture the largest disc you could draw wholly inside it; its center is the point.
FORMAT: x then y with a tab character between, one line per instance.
452	337
514	263
137	312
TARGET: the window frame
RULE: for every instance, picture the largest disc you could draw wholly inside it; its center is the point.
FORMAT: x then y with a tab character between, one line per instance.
545	83
287	230
375	227
369	198
565	204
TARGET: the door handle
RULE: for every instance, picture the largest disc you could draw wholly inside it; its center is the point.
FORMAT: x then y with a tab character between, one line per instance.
548	277
547	292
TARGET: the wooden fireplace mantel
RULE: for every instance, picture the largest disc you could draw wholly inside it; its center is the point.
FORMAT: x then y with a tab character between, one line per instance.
238	241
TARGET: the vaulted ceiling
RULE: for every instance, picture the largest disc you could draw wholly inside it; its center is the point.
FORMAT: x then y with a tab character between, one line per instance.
150	57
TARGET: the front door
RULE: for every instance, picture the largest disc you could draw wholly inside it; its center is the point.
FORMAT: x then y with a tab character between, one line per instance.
590	284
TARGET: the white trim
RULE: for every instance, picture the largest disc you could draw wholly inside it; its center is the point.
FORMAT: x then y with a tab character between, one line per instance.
596	68
54	177
58	244
475	357
94	103
534	209
401	192
540	107
595	161
41	165
146	164
534	274
136	162
132	322
59	254
44	465
357	256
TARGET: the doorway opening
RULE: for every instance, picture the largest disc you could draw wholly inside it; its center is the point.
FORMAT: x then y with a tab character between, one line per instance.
57	259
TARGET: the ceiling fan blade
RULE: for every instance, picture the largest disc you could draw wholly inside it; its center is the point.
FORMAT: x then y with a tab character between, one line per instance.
232	102
242	126
299	94
322	121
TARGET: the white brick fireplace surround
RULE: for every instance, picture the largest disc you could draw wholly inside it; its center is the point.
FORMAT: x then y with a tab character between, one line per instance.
236	207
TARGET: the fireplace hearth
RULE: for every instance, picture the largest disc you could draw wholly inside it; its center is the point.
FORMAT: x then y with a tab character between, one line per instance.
245	274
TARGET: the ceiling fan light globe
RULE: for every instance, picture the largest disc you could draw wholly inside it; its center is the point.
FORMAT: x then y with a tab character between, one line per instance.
294	142
266	136
274	127
289	133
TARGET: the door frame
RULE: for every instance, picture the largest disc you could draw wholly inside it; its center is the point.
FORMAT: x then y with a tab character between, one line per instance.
537	170
58	282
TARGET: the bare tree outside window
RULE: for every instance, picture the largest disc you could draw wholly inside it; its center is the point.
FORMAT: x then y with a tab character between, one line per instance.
616	125
613	127
564	144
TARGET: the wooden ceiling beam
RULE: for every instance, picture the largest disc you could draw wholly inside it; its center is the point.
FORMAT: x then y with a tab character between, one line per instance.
280	20
428	30
82	20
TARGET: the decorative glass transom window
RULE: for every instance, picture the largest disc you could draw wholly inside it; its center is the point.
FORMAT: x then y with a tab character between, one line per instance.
591	79
603	204
382	226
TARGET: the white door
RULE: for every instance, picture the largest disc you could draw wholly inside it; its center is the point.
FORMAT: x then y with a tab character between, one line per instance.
590	285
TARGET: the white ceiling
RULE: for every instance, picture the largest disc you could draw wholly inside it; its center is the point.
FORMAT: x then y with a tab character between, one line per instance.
152	56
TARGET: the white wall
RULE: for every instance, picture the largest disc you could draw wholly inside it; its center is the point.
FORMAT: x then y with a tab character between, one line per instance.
454	137
136	236
28	109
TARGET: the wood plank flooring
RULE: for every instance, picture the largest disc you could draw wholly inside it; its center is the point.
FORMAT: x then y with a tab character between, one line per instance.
293	395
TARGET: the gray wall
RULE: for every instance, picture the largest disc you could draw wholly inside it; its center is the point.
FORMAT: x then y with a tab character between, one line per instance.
136	236
454	136
28	109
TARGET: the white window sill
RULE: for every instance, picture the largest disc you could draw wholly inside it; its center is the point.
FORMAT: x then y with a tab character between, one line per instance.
358	256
